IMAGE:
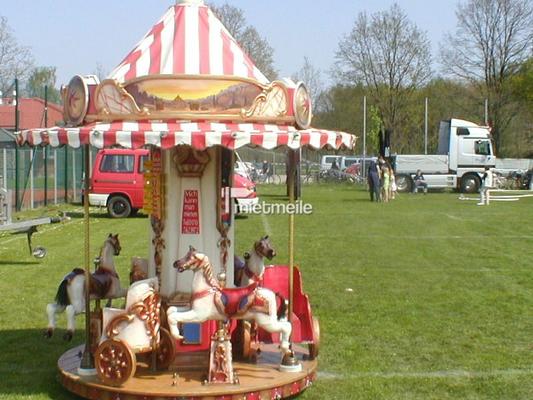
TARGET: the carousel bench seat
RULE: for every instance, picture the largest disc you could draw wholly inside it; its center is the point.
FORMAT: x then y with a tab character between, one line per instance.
276	278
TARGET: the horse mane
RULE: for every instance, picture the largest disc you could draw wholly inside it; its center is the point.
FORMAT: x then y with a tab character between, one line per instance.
208	272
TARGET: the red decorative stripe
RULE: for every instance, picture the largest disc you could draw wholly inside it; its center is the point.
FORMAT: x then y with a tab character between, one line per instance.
62	136
179	40
249	65
155	49
227	54
305	139
203	34
283	139
198	140
323	139
132	61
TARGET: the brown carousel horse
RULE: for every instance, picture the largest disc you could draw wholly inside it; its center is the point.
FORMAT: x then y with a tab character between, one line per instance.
70	297
254	265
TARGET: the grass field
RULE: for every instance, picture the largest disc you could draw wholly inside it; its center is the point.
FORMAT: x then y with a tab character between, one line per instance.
441	305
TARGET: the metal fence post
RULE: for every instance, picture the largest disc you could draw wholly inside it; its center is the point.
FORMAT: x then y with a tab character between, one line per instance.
32	198
65	170
46	148
55	176
74	194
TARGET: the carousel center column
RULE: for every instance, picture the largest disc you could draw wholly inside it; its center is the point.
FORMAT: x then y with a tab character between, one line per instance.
190	177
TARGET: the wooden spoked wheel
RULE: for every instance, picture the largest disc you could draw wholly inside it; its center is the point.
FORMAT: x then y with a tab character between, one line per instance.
166	351
115	362
315	346
246	340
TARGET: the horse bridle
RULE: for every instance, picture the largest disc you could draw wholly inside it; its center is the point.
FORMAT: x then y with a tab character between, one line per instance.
193	261
116	245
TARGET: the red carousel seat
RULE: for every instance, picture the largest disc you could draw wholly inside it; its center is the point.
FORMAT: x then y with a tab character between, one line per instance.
276	278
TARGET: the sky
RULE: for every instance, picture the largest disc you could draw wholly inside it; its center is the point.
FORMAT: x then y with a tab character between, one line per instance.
75	36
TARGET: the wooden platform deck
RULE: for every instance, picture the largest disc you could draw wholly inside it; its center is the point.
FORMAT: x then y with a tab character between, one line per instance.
261	380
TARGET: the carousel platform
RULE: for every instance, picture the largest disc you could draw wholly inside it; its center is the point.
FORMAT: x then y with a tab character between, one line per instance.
262	380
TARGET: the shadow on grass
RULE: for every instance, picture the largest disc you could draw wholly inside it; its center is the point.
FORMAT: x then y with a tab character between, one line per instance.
274	196
103	214
28	365
19	262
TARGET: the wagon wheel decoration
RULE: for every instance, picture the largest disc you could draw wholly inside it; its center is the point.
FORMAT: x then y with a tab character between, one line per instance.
115	362
165	350
315	346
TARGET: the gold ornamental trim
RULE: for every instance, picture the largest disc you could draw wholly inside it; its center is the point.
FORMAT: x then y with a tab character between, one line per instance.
190	162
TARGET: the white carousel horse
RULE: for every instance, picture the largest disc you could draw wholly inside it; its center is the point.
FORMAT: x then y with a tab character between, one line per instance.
210	302
70	297
254	266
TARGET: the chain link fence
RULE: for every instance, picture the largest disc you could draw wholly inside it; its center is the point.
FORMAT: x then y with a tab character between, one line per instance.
41	176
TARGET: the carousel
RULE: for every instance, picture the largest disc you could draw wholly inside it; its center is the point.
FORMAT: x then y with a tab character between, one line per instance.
199	322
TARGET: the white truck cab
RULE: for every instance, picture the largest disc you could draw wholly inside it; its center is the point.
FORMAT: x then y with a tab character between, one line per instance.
464	150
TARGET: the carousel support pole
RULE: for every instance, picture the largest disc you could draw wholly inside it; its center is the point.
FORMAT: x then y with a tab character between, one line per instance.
87	360
290	363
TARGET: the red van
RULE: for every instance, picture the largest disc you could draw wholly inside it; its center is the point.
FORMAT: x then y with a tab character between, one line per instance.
117	182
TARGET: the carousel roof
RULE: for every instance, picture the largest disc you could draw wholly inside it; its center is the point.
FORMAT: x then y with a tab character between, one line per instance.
189	39
188	42
199	135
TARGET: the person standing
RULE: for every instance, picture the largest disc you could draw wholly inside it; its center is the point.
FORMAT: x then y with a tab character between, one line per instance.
486	184
374	185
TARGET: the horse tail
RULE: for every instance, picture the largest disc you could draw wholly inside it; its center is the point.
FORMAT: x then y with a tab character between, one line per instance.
283	306
62	297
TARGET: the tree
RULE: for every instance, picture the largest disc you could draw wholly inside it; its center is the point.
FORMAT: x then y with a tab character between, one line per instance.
492	40
257	47
39	78
16	61
391	57
312	78
100	71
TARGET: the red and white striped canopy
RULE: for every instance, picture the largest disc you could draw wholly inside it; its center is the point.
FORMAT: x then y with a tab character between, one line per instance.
199	135
188	39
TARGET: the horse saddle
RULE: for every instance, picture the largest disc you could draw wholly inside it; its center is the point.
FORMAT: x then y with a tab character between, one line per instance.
101	281
237	301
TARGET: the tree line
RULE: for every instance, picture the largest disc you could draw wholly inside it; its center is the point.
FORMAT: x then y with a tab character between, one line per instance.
484	67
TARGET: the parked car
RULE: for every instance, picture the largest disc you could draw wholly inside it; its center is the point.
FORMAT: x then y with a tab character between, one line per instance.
117	182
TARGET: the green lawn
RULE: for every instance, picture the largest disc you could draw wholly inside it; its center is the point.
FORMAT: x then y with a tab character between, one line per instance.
441	305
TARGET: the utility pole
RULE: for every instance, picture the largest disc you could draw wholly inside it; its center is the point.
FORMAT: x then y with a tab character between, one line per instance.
363	166
426	127
17	196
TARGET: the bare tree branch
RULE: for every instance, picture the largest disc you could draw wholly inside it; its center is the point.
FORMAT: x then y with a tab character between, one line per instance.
390	56
257	47
492	40
16	61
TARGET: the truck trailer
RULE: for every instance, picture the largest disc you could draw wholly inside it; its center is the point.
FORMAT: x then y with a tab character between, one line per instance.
464	150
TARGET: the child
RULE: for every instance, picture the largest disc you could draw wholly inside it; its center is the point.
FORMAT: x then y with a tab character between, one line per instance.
386	183
393	187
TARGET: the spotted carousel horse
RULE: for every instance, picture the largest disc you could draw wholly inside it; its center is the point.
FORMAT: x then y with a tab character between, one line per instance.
254	264
211	302
70	297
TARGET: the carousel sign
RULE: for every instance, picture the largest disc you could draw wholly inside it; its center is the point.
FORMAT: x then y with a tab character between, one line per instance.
190	217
